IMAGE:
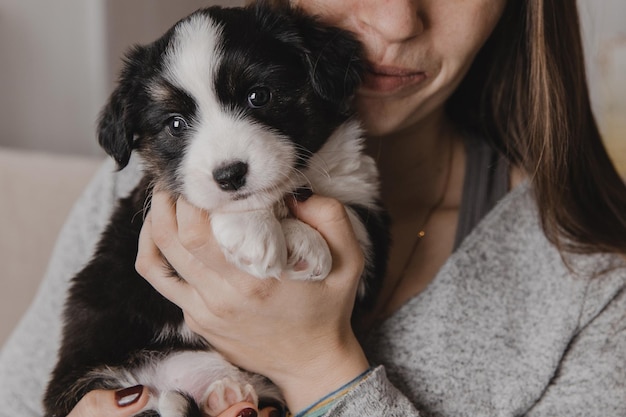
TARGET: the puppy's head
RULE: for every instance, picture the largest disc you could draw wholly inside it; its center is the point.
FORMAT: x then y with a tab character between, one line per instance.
230	103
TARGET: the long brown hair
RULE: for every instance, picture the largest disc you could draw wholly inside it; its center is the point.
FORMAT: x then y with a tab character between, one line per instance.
527	92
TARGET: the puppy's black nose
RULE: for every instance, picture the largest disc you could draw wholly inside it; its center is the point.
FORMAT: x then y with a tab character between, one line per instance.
231	177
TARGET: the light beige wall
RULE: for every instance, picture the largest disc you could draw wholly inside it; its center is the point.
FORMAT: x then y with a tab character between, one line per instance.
58	59
51	73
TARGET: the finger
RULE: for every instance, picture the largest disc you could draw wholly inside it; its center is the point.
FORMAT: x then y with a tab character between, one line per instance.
330	218
122	403
242	409
194	226
166	236
163	215
151	266
195	233
203	286
327	215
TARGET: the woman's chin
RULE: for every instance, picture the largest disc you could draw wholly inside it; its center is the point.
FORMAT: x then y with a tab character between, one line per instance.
381	124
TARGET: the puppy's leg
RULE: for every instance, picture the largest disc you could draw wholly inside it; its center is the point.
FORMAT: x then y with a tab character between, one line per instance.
209	381
187	383
177	404
252	240
223	393
309	257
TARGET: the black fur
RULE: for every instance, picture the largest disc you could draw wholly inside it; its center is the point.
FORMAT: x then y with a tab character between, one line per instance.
112	314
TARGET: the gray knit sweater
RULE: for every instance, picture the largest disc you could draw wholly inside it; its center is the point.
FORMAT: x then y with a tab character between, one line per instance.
506	328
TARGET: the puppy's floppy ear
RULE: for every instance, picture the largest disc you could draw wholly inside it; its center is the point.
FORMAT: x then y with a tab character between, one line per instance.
114	135
334	58
118	124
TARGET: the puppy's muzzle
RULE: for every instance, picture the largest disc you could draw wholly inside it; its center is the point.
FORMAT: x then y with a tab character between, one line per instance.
232	176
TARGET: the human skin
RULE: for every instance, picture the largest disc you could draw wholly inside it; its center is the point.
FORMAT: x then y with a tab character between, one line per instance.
418	51
106	403
219	296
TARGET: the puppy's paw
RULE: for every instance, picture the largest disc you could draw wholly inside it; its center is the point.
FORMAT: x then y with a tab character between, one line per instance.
223	393
308	253
176	404
253	241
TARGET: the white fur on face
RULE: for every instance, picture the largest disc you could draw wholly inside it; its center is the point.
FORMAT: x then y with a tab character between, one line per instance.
222	136
270	162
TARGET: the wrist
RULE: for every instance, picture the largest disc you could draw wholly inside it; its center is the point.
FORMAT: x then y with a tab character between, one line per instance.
323	406
323	374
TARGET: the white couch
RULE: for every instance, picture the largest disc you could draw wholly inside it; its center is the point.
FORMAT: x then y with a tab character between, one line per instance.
37	190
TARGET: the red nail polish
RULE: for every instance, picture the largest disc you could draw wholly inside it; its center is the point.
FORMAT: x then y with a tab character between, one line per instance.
128	396
247	412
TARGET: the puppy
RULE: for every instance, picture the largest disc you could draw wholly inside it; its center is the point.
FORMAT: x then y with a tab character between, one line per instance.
232	109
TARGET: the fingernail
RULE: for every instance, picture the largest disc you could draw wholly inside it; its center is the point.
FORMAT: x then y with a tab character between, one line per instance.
302	194
128	396
248	412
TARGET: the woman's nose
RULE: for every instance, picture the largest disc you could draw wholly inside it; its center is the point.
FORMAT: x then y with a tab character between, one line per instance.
391	20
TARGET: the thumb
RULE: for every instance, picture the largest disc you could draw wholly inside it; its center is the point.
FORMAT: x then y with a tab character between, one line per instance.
327	215
101	403
331	219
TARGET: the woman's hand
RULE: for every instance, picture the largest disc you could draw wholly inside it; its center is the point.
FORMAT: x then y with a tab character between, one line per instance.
101	403
128	402
297	333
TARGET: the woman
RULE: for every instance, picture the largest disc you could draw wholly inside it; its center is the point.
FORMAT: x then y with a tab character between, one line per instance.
505	293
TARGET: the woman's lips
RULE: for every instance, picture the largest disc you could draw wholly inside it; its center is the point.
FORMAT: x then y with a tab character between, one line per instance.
383	79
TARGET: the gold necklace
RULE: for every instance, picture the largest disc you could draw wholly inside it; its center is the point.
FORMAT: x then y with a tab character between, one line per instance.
421	231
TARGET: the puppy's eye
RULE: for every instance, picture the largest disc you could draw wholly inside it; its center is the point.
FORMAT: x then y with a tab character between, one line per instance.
259	97
176	126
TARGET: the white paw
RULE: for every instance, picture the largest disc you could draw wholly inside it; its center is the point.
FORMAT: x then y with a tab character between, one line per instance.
253	241
308	254
173	404
226	392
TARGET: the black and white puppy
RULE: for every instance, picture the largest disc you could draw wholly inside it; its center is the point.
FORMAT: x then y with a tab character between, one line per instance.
232	109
